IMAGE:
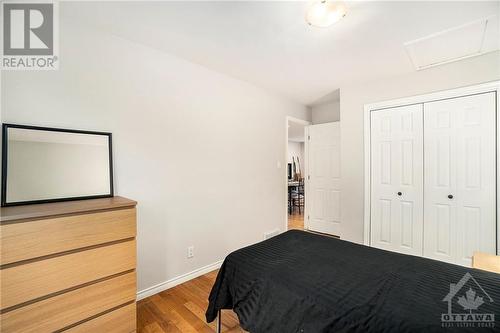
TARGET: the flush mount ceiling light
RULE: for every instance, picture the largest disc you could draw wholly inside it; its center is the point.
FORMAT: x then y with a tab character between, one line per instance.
324	13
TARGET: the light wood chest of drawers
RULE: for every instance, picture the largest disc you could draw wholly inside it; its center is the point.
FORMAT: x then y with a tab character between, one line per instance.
68	266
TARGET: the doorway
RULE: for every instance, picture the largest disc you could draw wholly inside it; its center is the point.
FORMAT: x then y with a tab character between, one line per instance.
295	172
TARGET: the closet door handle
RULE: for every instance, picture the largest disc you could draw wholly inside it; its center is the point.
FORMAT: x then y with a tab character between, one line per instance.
450	196
399	193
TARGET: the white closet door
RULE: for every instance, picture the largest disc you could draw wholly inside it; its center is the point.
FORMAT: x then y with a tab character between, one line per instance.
460	178
397	180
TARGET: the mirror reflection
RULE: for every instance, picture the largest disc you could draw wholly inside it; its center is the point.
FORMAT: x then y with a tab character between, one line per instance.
45	165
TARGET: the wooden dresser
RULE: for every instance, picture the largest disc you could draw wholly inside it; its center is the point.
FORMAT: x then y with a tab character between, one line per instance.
68	266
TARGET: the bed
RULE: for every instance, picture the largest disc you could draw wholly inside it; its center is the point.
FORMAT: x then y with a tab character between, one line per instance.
304	282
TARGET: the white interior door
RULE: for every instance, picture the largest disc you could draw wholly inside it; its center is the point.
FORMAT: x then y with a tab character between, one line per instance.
323	190
460	178
397	179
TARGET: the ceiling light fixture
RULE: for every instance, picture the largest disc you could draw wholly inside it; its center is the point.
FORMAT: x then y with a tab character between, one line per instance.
323	13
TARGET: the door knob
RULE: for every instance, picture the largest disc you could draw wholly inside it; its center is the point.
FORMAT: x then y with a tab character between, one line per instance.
450	196
399	193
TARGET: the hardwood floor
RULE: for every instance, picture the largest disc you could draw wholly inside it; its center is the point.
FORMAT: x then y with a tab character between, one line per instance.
182	309
296	221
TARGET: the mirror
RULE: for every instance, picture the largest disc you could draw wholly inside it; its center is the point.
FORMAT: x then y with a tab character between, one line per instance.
42	165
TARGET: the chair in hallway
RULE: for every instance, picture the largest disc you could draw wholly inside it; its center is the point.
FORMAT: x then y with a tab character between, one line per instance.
298	197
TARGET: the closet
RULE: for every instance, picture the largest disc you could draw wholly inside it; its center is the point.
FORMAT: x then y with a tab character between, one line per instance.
433	178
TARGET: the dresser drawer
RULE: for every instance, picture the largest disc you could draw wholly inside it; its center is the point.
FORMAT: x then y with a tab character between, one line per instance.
22	283
122	320
72	307
37	238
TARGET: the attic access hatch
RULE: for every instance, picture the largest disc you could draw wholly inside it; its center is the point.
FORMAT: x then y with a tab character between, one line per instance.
468	40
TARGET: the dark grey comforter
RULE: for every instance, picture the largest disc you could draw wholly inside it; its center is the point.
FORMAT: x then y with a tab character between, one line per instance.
302	282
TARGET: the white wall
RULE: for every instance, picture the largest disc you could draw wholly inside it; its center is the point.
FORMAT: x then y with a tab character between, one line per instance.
197	149
296	149
352	99
325	113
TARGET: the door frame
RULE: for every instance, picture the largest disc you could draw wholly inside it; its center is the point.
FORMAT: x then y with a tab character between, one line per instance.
305	123
493	86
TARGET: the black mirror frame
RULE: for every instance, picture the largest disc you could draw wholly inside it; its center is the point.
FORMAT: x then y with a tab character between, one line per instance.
5	128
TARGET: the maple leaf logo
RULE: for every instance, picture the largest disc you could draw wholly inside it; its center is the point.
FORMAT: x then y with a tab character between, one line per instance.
470	301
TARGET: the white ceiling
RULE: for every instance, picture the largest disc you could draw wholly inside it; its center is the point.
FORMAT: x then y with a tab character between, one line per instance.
270	45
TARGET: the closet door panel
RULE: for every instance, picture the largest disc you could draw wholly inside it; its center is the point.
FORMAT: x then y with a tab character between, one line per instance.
476	176
382	235
397	210
410	164
460	174
440	212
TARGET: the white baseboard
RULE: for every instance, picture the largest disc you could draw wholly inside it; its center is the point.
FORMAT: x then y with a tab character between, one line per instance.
177	280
